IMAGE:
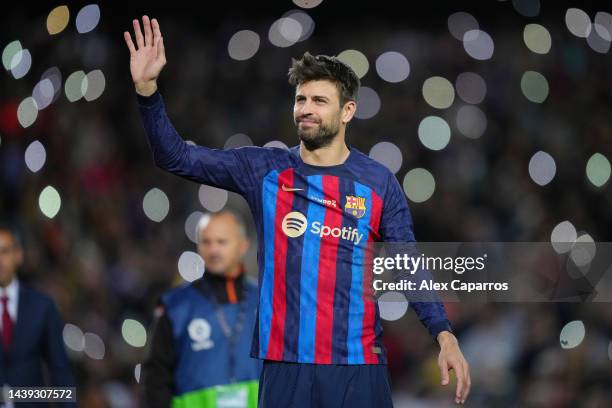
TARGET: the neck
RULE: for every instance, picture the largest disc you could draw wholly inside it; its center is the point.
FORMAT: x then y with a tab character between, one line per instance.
331	155
232	273
6	283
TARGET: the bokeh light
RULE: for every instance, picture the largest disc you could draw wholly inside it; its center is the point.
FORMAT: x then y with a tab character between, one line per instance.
434	133
460	23
94	346
599	39
73	337
478	44
542	168
392	67
572	334
137	371
10	51
49	202
93	85
243	45
387	154
534	86
276	143
54	75
307	4
419	185
578	22
156	205
471	87
191	224
27	112
368	103
73	86
190	266
583	251
212	198
598	169
134	333
21	64
537	38
237	140
563	237
306	22
392	305
57	20
356	60
604	20
285	32
438	92
471	121
88	18
35	156
43	93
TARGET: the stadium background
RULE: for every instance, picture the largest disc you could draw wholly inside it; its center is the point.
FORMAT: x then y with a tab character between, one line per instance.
495	116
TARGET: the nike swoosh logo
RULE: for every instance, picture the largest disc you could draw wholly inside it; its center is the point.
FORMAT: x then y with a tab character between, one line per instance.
290	189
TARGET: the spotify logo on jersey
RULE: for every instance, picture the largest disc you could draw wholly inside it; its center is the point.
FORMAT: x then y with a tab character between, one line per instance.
294	224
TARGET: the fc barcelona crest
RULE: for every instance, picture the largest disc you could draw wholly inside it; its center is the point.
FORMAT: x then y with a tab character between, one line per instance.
355	206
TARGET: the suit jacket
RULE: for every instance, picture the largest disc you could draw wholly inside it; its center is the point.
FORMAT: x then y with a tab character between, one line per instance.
36	342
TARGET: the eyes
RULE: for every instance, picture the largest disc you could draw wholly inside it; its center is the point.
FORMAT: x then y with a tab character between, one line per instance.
317	99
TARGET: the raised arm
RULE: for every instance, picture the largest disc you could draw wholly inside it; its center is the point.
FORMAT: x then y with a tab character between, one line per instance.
227	169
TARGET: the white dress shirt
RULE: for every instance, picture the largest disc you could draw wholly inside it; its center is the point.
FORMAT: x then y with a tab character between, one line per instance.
12	291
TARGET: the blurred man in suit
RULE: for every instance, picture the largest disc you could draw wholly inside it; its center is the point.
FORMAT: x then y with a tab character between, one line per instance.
30	327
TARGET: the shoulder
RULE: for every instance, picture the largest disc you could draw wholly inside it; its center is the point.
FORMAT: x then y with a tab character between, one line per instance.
261	160
372	173
177	295
35	297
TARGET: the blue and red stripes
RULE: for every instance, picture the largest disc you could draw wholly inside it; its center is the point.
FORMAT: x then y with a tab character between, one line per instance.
316	299
327	276
310	274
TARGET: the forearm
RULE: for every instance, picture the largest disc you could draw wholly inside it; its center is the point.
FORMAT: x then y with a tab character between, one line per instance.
168	148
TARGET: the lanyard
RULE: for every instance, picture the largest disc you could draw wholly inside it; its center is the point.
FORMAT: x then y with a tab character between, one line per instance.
230	333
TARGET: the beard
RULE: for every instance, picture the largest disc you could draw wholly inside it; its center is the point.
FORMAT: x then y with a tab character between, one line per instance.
319	135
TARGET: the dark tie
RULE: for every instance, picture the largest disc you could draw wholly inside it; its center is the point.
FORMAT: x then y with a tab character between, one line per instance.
7	324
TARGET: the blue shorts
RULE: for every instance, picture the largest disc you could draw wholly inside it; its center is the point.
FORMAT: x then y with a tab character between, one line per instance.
301	385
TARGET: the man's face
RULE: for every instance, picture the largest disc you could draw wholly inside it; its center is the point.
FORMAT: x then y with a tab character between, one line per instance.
11	257
317	112
222	244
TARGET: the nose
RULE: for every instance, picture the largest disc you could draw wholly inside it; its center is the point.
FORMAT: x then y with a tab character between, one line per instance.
304	108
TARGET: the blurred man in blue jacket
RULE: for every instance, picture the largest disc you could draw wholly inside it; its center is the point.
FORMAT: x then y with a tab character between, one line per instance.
199	352
30	327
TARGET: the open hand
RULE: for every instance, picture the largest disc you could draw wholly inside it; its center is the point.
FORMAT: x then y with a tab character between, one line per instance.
148	58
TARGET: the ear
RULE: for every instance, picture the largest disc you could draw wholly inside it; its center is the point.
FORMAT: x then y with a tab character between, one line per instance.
19	255
244	247
348	111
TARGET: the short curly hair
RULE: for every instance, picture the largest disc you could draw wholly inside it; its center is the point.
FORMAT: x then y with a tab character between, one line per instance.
311	67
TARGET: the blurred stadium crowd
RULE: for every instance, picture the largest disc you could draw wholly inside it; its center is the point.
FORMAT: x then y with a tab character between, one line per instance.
525	160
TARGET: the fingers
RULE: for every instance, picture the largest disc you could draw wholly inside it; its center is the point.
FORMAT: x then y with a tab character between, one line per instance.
444	372
128	41
158	39
156	30
161	52
147	29
466	392
138	34
458	367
